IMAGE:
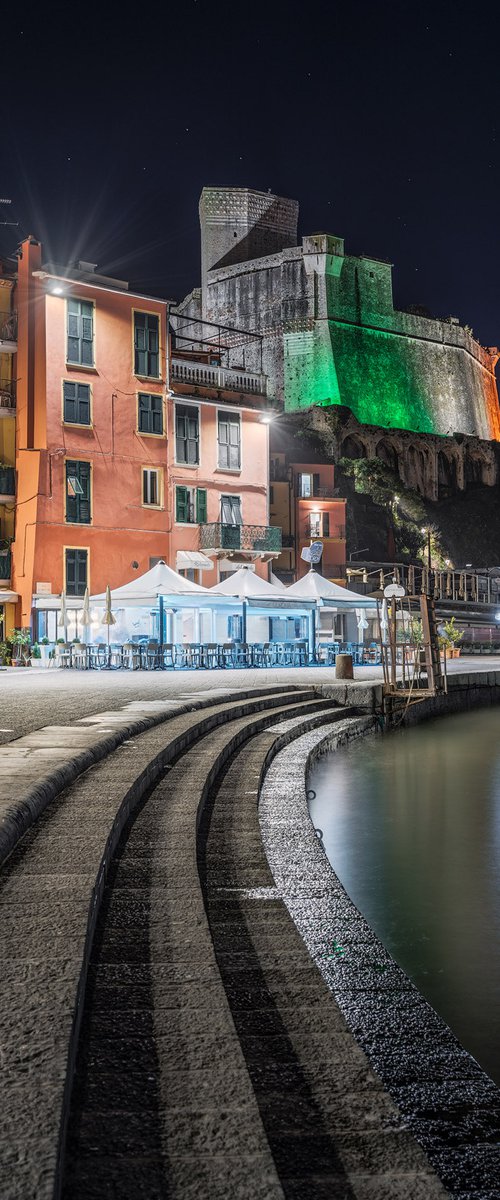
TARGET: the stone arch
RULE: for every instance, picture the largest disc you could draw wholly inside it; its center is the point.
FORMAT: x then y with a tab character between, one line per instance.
446	474
353	447
475	469
416	469
387	453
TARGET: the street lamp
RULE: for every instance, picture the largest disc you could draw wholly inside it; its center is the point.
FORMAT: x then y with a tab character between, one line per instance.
363	551
427	531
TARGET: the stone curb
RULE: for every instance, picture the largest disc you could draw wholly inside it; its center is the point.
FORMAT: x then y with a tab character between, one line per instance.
440	1088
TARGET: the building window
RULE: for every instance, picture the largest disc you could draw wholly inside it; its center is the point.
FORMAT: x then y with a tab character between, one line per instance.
151	487
304	486
190	505
76	403
314	525
187	434
150	413
80	348
229	441
75	572
147	345
78	492
231	510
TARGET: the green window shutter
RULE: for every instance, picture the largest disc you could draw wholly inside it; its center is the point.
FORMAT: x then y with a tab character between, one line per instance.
181	504
69	396
201	506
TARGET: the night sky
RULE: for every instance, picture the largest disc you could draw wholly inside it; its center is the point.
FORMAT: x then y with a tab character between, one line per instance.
381	119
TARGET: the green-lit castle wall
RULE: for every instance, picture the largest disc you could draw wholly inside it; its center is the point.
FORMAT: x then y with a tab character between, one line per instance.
330	333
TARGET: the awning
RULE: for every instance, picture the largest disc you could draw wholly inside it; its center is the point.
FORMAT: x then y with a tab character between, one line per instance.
193	560
7	597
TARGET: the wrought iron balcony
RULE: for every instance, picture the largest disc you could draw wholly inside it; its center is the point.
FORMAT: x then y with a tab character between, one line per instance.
320	492
263	538
7	481
8	332
8	394
206	375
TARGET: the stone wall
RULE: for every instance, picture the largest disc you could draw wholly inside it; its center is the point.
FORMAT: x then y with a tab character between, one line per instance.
431	465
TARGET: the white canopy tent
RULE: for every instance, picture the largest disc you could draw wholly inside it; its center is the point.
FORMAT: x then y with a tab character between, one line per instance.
246	585
163	588
314	586
261	599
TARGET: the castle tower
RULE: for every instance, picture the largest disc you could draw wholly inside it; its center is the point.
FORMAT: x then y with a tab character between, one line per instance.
240	224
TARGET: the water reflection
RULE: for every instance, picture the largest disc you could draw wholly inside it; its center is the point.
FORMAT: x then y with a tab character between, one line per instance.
411	825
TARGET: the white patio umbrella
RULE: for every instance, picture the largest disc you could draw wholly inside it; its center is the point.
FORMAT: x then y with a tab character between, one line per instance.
63	620
277	582
85	618
108	618
362	622
150	589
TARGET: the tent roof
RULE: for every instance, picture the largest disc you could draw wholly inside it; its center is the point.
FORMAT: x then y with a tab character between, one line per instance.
244	583
314	586
160	580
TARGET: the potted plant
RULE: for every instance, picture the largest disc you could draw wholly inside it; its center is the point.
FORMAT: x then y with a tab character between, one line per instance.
5	654
449	637
20	639
35	655
44	648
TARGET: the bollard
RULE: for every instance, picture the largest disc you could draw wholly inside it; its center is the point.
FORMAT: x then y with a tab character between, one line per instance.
343	667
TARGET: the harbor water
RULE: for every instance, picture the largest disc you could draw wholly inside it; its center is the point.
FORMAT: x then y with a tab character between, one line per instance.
411	826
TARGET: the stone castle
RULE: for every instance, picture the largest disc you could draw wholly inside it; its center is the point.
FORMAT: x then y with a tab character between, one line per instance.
417	392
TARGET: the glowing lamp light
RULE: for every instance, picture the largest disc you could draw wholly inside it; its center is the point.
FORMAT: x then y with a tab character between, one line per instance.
266	418
497	616
57	290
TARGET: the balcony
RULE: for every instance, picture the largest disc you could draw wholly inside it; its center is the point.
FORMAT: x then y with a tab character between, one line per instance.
223	379
313	530
255	539
320	492
7	483
8	333
7	397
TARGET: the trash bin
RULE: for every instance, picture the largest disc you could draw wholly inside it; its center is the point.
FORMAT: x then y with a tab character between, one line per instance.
343	666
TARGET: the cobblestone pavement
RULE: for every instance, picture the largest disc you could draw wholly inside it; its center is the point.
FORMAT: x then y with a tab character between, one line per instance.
32	698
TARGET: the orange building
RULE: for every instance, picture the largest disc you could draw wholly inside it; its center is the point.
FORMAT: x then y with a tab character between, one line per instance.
122	455
305	503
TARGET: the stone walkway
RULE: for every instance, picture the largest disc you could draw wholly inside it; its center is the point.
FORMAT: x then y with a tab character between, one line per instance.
32	698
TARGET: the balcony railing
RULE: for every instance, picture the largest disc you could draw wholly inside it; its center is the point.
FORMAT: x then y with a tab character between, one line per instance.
320	492
8	328
7	481
206	375
336	531
264	538
8	394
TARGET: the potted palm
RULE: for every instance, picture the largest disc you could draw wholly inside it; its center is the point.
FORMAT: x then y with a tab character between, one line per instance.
450	635
44	647
20	639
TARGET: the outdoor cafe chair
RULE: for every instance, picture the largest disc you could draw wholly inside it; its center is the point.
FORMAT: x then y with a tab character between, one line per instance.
269	654
98	656
256	652
63	654
300	654
150	654
131	656
169	656
243	655
80	657
211	655
179	655
228	654
194	655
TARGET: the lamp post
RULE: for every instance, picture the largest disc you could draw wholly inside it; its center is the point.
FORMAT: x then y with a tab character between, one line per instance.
427	531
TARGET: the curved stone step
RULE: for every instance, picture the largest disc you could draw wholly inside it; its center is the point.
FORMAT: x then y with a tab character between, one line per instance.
50	894
37	767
